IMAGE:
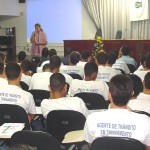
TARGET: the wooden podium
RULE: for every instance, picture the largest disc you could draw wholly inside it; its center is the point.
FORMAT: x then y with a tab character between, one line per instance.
137	47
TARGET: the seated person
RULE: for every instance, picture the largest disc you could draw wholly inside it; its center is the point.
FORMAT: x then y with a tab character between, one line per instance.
51	53
142	73
45	75
21	56
85	56
3	80
142	61
35	63
65	59
105	73
72	68
58	99
26	68
118	120
124	50
13	94
142	101
89	84
44	56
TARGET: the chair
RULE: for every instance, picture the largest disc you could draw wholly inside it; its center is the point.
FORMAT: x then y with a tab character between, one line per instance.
41	140
60	122
39	95
118	34
93	100
131	68
120	70
13	114
76	76
24	86
116	143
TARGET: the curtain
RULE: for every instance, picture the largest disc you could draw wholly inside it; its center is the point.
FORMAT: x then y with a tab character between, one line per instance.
113	15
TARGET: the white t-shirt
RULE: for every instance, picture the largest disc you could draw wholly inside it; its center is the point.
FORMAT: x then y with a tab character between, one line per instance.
11	94
119	123
79	86
141	73
64	103
121	65
72	70
81	64
105	73
142	103
3	82
26	79
42	80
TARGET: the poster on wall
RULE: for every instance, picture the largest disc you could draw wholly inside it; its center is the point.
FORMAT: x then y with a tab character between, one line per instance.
139	10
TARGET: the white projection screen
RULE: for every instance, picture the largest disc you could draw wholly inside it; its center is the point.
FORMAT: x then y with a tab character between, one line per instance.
60	19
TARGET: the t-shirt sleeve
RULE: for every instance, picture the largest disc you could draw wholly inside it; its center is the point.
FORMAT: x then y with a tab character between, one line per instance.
31	108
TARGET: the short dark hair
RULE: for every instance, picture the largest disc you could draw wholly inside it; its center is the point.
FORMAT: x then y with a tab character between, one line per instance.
21	147
101	58
121	89
147	81
89	68
2	58
26	65
1	67
57	82
74	57
85	54
45	52
147	61
125	50
46	66
21	56
142	59
111	58
55	62
13	71
52	52
137	84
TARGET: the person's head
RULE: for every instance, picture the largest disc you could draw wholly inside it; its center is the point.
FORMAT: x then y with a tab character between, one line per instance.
120	90
46	68
35	63
147	61
58	84
115	52
13	71
68	51
111	58
38	27
21	56
142	60
101	58
137	85
2	58
26	67
21	147
85	55
45	52
125	50
52	52
2	68
90	70
74	58
55	63
147	81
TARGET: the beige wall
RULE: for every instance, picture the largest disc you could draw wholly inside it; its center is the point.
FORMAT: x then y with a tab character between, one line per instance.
88	30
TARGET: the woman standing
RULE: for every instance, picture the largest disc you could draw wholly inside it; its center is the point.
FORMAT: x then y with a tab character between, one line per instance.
38	40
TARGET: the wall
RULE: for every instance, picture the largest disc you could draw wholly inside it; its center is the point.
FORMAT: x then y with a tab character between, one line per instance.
88	30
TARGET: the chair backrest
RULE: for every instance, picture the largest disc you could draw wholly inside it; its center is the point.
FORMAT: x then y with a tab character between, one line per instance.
76	76
116	143
39	95
60	122
13	114
131	68
41	140
118	34
93	100
120	70
24	86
